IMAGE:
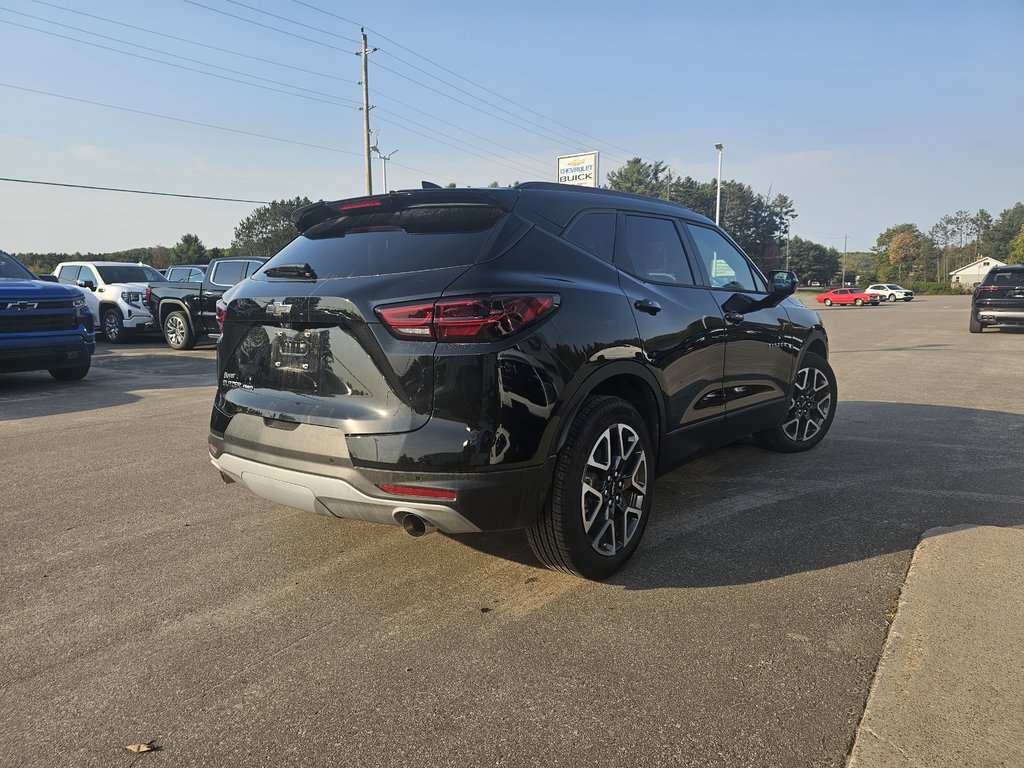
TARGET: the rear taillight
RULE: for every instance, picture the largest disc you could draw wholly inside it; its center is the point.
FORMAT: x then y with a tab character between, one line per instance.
478	318
222	313
149	292
986	289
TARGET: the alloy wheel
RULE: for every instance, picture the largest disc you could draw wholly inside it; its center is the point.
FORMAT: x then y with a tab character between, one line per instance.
174	326
613	490
812	402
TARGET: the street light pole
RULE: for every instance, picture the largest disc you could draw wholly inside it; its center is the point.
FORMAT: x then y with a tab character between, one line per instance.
788	221
718	201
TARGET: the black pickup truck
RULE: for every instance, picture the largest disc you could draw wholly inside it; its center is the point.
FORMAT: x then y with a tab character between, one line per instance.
187	311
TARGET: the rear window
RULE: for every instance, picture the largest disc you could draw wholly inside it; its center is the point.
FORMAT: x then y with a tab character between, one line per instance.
392	242
1008	277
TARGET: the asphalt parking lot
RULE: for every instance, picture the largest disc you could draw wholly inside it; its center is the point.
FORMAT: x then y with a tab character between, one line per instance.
142	599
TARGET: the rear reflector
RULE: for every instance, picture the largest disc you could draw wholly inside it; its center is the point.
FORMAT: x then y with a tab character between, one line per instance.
486	318
419	493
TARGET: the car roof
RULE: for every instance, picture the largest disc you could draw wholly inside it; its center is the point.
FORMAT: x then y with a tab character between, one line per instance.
105	264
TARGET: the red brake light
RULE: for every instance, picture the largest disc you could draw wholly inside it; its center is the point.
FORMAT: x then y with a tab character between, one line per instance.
358	204
486	318
987	289
420	493
222	313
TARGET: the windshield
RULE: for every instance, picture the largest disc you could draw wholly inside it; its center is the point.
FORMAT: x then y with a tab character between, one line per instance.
130	273
12	269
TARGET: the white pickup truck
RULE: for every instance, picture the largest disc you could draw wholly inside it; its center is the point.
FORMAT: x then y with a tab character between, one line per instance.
115	291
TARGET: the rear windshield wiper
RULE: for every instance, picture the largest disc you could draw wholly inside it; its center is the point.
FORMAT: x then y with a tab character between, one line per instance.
297	271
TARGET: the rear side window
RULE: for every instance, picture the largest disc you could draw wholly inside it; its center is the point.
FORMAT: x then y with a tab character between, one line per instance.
392	242
595	233
68	274
228	272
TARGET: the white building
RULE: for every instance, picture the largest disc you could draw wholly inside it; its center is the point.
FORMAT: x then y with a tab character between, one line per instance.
965	277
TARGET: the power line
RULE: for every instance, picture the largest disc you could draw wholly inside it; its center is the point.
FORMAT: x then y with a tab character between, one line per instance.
179	119
275	29
136	191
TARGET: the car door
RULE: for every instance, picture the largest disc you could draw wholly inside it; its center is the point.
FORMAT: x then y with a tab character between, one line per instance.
680	325
759	359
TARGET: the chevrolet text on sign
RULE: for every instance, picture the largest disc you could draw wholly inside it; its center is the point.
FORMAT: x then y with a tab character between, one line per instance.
580	170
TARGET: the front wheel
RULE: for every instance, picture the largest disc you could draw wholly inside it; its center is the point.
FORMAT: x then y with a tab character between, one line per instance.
828	302
70	374
600	496
858	302
178	332
113	326
892	297
812	408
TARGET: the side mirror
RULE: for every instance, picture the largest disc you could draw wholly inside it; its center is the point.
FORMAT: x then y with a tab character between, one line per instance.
86	284
48	278
783	282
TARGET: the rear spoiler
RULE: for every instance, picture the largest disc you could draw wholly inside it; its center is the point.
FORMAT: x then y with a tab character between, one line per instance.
310	215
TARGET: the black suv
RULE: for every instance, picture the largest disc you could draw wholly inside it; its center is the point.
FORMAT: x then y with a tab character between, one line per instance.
492	359
999	299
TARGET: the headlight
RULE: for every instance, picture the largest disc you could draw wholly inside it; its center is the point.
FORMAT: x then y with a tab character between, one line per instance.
132	297
78	303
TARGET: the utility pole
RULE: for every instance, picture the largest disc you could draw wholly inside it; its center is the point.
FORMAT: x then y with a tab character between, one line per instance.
365	53
844	261
788	220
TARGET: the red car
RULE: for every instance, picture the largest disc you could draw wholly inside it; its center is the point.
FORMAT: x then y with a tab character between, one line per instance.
854	296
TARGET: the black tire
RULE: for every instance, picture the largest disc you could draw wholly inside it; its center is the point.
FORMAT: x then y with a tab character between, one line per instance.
70	374
811	411
976	325
858	302
178	332
603	473
828	302
113	326
892	297
908	298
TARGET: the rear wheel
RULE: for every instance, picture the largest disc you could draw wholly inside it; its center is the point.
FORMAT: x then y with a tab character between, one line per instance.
178	332
976	325
70	374
600	496
811	410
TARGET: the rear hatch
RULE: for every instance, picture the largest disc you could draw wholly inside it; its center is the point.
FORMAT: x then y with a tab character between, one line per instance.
302	341
1001	289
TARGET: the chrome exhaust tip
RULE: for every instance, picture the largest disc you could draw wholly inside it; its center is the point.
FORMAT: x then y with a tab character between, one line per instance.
415	525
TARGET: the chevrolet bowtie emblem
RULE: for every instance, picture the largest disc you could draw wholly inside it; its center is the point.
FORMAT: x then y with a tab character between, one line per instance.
277	309
22	305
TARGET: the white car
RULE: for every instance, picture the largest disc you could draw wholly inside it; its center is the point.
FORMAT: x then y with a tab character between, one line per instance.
890	291
115	291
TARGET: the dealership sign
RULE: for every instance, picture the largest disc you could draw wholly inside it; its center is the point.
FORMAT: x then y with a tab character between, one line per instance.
580	170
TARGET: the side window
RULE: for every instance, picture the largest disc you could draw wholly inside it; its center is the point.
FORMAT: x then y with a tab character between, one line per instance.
594	232
251	267
88	274
654	251
195	276
727	267
68	275
227	273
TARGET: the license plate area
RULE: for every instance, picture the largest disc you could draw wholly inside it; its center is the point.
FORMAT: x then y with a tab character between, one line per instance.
298	352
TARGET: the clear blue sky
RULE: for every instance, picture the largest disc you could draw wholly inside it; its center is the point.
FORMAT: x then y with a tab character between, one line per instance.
867	115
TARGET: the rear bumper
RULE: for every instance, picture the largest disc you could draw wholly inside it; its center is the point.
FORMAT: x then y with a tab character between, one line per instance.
994	315
308	467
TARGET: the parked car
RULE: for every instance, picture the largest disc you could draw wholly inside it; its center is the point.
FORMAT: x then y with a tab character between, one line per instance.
115	292
185	273
999	300
890	292
43	325
842	296
187	311
492	359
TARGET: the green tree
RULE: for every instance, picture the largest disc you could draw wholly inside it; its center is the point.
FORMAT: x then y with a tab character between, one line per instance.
812	262
268	229
998	239
189	250
639	178
1016	253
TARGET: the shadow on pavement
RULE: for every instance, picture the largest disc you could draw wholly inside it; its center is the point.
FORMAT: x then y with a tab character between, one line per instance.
886	473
